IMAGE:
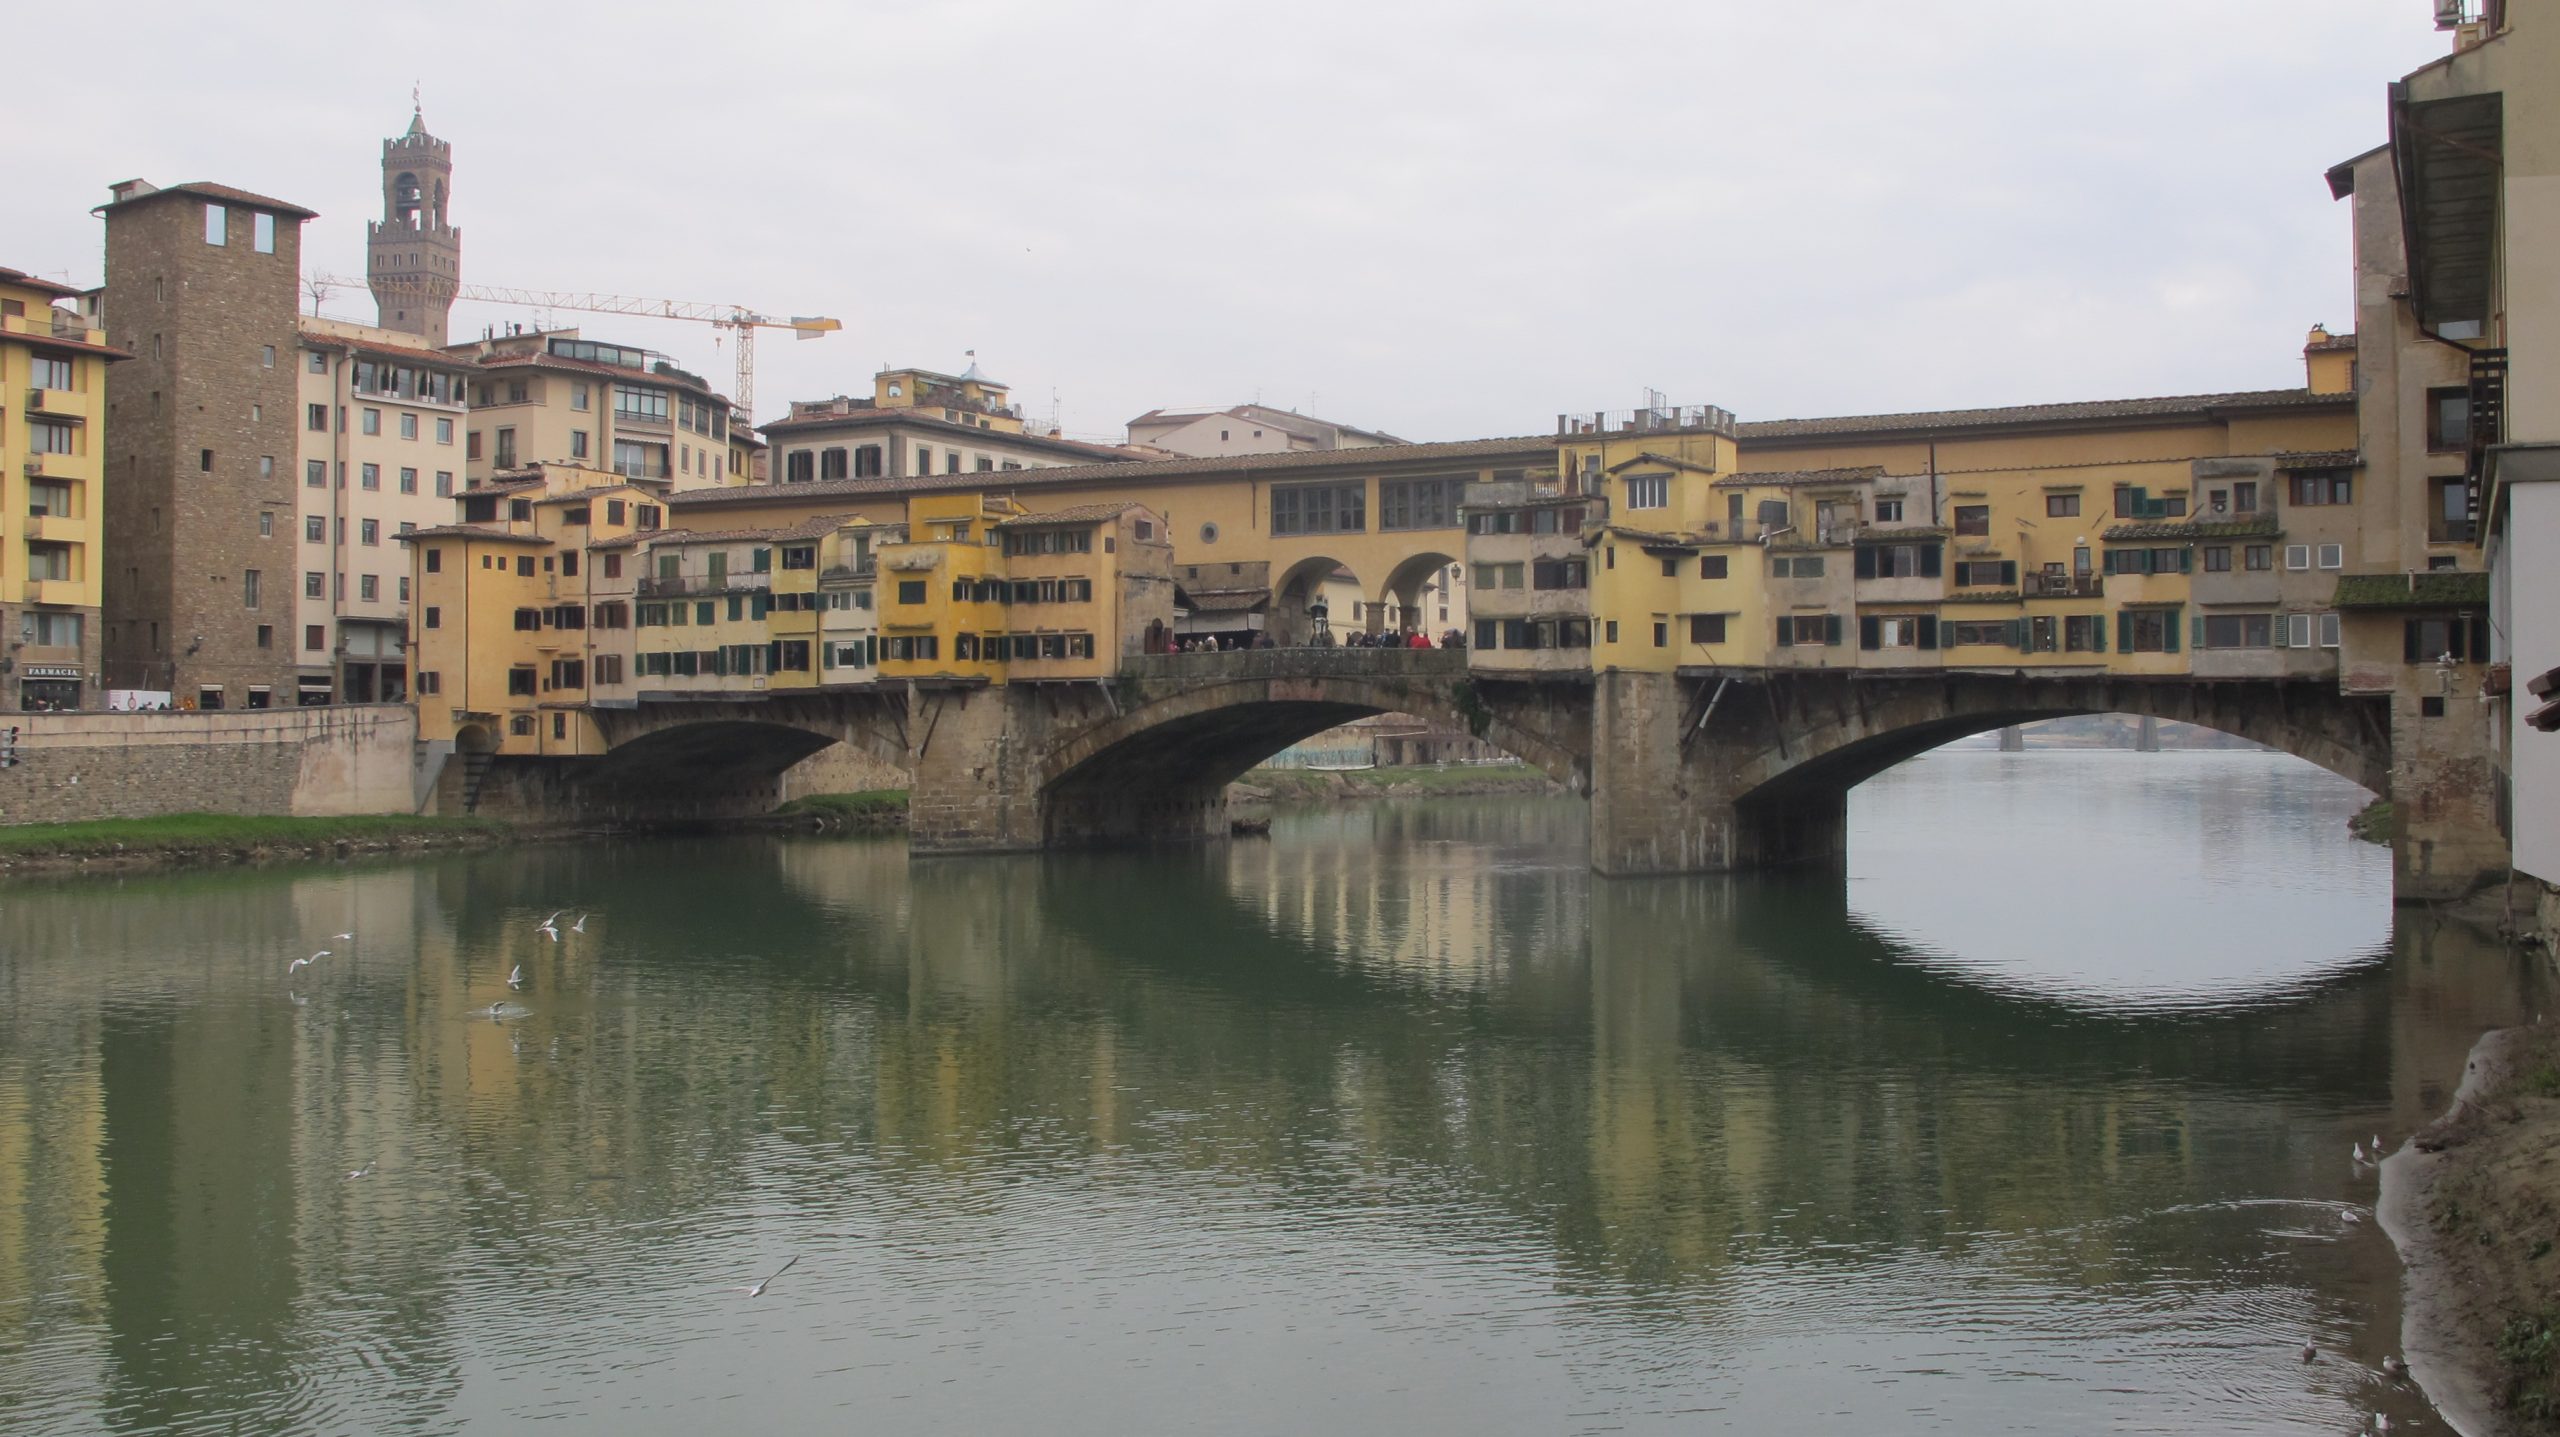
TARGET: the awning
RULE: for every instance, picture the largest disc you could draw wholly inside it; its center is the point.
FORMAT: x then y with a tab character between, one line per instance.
2449	157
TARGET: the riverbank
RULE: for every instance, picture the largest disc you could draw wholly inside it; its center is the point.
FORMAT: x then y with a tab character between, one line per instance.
2470	1203
184	838
877	810
1304	786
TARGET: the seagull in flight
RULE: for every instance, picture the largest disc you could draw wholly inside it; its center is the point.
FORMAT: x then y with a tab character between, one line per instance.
550	927
758	1289
298	964
581	926
516	978
364	1172
346	938
2360	1158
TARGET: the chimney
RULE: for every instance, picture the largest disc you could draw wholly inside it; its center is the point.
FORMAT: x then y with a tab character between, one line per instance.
124	190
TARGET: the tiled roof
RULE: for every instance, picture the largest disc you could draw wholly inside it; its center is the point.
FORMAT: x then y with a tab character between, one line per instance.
207	190
1076	514
816	527
544	359
24	280
473	531
1856	474
2440	589
2333	342
1138	472
2192	529
321	338
885	418
2176	406
2320	459
1225	601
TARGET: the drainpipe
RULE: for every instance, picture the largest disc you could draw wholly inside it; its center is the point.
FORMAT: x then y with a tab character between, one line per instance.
336	478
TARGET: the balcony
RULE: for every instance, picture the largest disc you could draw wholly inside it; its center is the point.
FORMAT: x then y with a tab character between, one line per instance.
52	324
2060	586
846	573
56	528
54	591
55	466
2452	531
57	403
664	586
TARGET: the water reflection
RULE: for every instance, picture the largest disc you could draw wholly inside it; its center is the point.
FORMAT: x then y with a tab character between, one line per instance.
1397	1119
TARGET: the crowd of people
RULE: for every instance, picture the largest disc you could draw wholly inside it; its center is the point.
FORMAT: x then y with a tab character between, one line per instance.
1322	638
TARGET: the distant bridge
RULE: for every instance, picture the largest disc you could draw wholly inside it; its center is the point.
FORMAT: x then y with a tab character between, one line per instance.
1684	774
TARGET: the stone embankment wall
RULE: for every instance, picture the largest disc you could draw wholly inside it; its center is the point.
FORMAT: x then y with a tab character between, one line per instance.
309	762
839	768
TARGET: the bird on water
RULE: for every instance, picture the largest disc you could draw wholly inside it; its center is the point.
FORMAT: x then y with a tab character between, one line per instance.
758	1289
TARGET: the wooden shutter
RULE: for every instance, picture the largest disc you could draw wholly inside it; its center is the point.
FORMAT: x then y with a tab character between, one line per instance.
2008	573
1866	565
1786	636
1928	631
2169	632
2124	633
1869	626
1831	630
1929	561
2196	639
2409	640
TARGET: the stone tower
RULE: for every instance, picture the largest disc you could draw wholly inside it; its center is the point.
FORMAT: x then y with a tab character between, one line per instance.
413	254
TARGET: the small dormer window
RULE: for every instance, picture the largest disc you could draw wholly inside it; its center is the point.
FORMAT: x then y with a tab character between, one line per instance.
893	389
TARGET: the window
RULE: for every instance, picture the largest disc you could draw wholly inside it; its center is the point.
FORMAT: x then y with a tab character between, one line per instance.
520	679
1648	491
1706	628
578	397
314	584
371	476
577	444
1987	573
1802	566
315	637
471	445
217	225
1973	518
2234	631
1613	630
799	467
1997	633
262	233
369	588
2244	497
249	588
49	372
370	421
2323	486
1319	509
1419	503
2448	419
2062	506
866	462
832	463
2084	633
911	591
1806	629
315	529
315	417
2217	559
370	530
1560	574
316	362
613	566
2329	635
1888	511
506	455
2462	638
2297	556
2147	631
2150	561
2333	556
800	556
2260	556
444	431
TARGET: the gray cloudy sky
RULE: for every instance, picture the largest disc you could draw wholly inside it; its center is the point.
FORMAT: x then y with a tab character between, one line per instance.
1443	220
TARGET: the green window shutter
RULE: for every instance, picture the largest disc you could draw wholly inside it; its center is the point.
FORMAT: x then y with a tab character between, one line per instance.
764	561
1928	631
2008	573
1866	565
1786	639
2187	560
1929	562
2098	633
2018	635
2195	638
2169	632
1831	630
2124	634
1870	629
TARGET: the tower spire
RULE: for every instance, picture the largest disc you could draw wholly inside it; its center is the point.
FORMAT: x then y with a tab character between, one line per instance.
413	254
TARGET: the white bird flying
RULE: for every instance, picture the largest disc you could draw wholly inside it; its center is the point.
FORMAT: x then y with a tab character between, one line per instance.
758	1289
580	926
298	964
516	978
366	1171
346	938
2359	1155
548	930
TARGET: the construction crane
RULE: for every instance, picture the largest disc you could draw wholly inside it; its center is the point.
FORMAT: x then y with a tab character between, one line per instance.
737	318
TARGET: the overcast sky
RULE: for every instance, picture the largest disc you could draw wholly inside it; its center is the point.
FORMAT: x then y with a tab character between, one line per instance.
1446	221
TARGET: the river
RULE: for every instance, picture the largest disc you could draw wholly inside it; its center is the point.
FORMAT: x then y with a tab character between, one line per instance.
2038	1119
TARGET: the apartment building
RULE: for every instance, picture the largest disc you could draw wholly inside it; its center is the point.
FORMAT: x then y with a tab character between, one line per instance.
202	284
382	419
979	590
556	397
1245	429
755	610
916	422
53	370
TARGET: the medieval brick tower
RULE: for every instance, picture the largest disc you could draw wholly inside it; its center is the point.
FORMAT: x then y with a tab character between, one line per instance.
413	254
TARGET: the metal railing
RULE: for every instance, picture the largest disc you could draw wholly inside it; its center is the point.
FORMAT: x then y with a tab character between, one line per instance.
1298	663
2068	586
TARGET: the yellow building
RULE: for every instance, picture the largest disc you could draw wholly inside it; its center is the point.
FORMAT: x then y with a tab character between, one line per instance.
507	637
741	611
980	590
916	422
53	369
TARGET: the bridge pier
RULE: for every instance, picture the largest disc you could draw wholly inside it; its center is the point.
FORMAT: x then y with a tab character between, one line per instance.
972	785
1659	805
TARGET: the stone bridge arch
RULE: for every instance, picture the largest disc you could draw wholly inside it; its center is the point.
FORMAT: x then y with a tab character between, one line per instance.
718	757
1760	775
1148	757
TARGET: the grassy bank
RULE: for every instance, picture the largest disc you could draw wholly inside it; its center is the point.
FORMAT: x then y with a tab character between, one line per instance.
179	835
1298	785
875	810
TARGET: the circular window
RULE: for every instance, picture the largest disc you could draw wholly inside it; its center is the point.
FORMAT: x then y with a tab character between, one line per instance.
1208	533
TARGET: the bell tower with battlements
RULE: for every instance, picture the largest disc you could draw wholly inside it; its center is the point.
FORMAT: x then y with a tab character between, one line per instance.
413	254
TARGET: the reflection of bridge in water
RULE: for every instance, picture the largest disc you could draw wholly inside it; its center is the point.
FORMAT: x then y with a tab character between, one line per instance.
1684	775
